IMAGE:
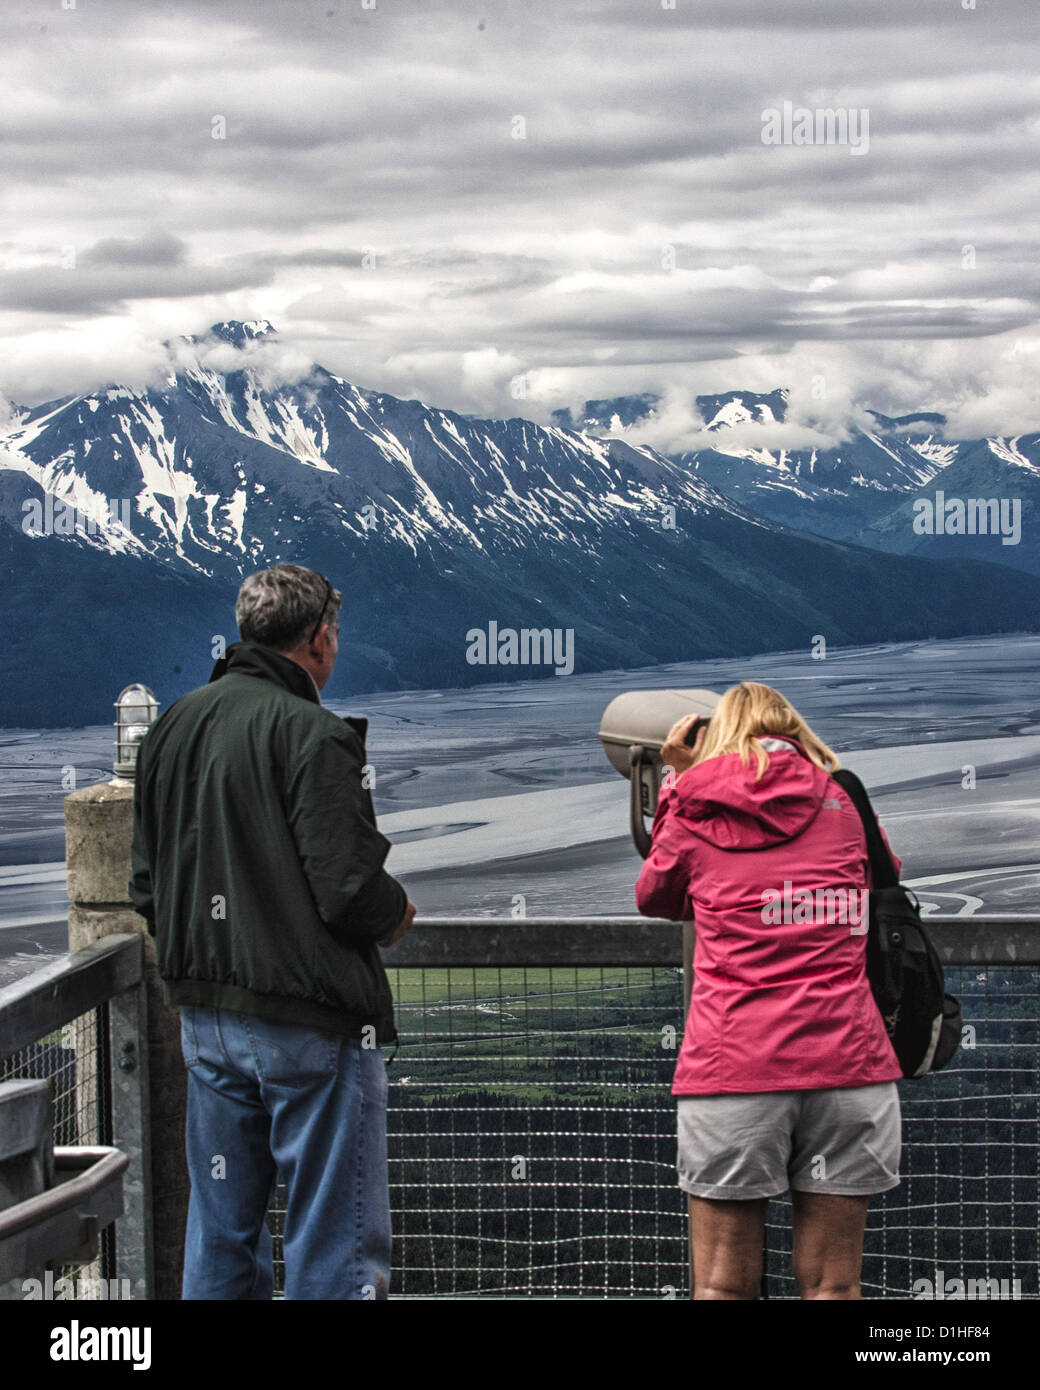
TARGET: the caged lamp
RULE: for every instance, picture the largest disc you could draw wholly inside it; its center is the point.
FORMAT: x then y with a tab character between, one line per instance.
136	709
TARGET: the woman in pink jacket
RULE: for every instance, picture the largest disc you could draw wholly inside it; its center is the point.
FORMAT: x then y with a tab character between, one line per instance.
786	1078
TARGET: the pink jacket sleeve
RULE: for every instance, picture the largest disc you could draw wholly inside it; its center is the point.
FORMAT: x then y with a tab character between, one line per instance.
662	889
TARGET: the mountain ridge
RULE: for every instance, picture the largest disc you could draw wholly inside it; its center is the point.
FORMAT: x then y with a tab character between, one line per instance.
432	524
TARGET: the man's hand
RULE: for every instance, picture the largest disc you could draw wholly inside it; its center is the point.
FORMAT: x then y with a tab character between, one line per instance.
403	928
674	752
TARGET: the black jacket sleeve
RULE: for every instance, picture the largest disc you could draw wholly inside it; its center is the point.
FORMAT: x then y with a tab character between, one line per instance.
377	909
333	824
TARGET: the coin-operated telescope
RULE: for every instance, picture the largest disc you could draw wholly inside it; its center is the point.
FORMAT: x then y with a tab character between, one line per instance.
633	728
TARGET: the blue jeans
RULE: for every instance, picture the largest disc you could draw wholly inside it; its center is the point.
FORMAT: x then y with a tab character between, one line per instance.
269	1100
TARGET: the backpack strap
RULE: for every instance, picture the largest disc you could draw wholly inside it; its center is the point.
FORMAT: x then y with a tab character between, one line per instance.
882	870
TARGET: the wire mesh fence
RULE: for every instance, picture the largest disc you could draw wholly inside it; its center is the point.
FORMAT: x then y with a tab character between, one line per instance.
532	1140
532	1143
68	1058
964	1221
531	1134
73	1059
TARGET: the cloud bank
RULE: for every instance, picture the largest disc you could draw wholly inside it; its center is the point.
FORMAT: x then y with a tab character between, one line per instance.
507	209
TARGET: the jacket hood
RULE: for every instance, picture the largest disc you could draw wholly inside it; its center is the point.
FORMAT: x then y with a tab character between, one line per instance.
250	659
720	802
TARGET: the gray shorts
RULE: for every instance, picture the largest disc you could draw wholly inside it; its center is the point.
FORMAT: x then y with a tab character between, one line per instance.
761	1143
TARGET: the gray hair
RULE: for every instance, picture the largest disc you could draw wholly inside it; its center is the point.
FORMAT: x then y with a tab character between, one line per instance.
280	607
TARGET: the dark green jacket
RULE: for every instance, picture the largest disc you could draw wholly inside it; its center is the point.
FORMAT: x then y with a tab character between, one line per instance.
256	858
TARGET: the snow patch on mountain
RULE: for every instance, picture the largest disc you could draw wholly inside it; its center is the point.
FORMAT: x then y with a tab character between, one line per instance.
1008	450
936	451
289	432
764	457
737	413
238	332
95	518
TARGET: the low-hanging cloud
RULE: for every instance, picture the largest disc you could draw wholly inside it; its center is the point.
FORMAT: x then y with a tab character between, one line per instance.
271	362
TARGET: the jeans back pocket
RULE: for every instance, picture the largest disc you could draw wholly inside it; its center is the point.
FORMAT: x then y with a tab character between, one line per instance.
288	1054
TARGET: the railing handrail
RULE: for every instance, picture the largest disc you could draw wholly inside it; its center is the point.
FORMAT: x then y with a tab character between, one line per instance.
1011	939
44	1000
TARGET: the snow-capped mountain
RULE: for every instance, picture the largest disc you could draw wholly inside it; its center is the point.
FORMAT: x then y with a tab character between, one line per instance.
222	473
873	489
985	504
742	407
237	334
862	491
729	408
615	414
128	518
835	492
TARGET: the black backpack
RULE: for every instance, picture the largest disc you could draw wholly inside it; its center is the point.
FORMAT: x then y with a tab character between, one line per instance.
903	967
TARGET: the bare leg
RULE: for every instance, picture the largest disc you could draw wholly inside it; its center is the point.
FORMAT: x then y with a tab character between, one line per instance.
828	1244
726	1247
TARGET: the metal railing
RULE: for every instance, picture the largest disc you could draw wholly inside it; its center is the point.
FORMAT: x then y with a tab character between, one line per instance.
532	1129
81	1023
531	1126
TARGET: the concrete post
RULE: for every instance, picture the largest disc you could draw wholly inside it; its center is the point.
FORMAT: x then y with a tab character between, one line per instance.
98	832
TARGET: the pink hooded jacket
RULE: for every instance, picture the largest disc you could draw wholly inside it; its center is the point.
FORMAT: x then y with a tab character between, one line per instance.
774	873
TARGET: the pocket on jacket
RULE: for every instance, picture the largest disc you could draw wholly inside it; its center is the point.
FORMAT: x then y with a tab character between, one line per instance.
287	1054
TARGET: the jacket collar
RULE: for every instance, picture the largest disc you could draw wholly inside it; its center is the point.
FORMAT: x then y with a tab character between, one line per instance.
251	659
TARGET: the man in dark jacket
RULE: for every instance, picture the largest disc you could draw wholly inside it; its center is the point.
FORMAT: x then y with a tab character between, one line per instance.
259	868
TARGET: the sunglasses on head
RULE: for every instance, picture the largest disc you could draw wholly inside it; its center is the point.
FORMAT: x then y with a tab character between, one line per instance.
321	615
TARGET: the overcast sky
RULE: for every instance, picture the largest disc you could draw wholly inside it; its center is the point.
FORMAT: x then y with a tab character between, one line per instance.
436	199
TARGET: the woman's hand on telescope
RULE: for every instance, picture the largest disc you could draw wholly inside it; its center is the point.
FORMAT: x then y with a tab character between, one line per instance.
675	752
